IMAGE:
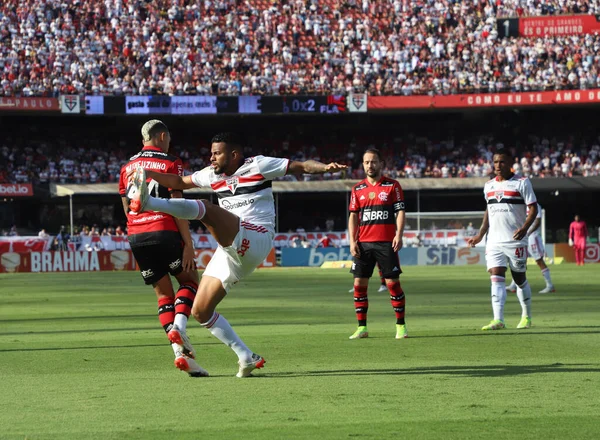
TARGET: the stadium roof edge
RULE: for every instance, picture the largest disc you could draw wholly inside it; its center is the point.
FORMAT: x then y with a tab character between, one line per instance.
547	184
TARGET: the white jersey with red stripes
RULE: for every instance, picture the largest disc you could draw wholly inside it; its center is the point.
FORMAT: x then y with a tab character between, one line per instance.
507	203
247	193
538	216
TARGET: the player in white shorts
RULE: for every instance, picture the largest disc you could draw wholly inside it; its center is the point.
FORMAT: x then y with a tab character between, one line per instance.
506	221
243	224
535	249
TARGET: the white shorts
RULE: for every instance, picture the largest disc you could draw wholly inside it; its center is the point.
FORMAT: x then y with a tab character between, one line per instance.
536	247
512	256
249	249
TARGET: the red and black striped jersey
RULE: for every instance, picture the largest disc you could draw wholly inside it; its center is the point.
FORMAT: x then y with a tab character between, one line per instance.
376	206
151	158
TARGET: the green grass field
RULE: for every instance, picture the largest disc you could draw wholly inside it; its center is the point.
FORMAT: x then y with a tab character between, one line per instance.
82	356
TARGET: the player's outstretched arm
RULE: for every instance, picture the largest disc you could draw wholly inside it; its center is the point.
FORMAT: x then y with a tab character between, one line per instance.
172	181
314	167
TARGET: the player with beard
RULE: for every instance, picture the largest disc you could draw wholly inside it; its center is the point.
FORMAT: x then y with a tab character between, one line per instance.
376	226
243	224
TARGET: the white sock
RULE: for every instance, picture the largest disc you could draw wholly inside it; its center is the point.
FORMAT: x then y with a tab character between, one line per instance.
181	321
512	285
180	208
524	295
546	275
498	296
221	330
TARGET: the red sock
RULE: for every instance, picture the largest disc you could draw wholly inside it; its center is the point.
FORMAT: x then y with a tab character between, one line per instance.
361	304
184	299
166	311
398	300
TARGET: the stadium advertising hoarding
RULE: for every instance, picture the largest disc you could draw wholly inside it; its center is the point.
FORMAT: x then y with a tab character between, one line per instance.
521	99
16	190
85	261
315	257
549	26
592	252
170	105
29	104
411	256
206	241
197	105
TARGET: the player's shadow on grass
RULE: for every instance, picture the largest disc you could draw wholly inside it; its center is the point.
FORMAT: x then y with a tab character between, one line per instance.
466	371
97	347
75	318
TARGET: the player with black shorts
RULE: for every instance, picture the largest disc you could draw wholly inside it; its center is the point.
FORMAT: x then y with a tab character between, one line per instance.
162	245
376	225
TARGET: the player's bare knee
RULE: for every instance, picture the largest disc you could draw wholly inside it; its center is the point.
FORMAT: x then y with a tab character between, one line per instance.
202	312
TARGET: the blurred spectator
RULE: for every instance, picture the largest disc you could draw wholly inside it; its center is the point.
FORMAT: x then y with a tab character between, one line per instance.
43	235
261	47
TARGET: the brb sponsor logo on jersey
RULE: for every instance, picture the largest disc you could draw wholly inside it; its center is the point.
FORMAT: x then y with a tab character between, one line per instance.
371	215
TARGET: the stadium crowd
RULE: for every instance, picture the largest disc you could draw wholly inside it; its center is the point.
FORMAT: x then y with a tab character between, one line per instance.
232	47
67	159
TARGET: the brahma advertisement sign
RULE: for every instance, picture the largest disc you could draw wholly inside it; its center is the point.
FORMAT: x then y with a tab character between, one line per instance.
84	261
16	190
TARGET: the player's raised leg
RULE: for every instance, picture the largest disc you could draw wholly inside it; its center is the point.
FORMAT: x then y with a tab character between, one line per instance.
142	201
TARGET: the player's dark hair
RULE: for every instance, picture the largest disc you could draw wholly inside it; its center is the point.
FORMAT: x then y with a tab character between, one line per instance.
157	129
228	138
374	151
503	152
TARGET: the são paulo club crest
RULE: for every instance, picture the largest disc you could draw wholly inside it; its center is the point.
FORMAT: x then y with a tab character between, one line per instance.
499	195
232	183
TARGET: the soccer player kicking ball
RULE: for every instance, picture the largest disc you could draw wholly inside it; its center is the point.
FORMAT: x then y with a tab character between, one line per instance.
243	225
535	249
376	225
506	222
162	246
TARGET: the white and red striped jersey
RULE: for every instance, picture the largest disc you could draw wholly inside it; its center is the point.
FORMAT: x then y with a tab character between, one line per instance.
507	203
538	216
247	193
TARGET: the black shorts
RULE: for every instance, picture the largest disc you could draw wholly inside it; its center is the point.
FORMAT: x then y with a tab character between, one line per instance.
380	252
157	254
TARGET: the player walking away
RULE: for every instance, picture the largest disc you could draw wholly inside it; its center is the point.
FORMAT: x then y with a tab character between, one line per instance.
536	250
578	233
506	222
382	286
243	225
162	245
376	225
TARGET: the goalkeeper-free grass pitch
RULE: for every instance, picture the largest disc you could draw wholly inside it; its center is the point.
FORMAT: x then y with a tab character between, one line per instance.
82	356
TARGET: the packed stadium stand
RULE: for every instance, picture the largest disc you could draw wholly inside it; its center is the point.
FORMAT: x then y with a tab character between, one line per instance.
92	151
231	47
